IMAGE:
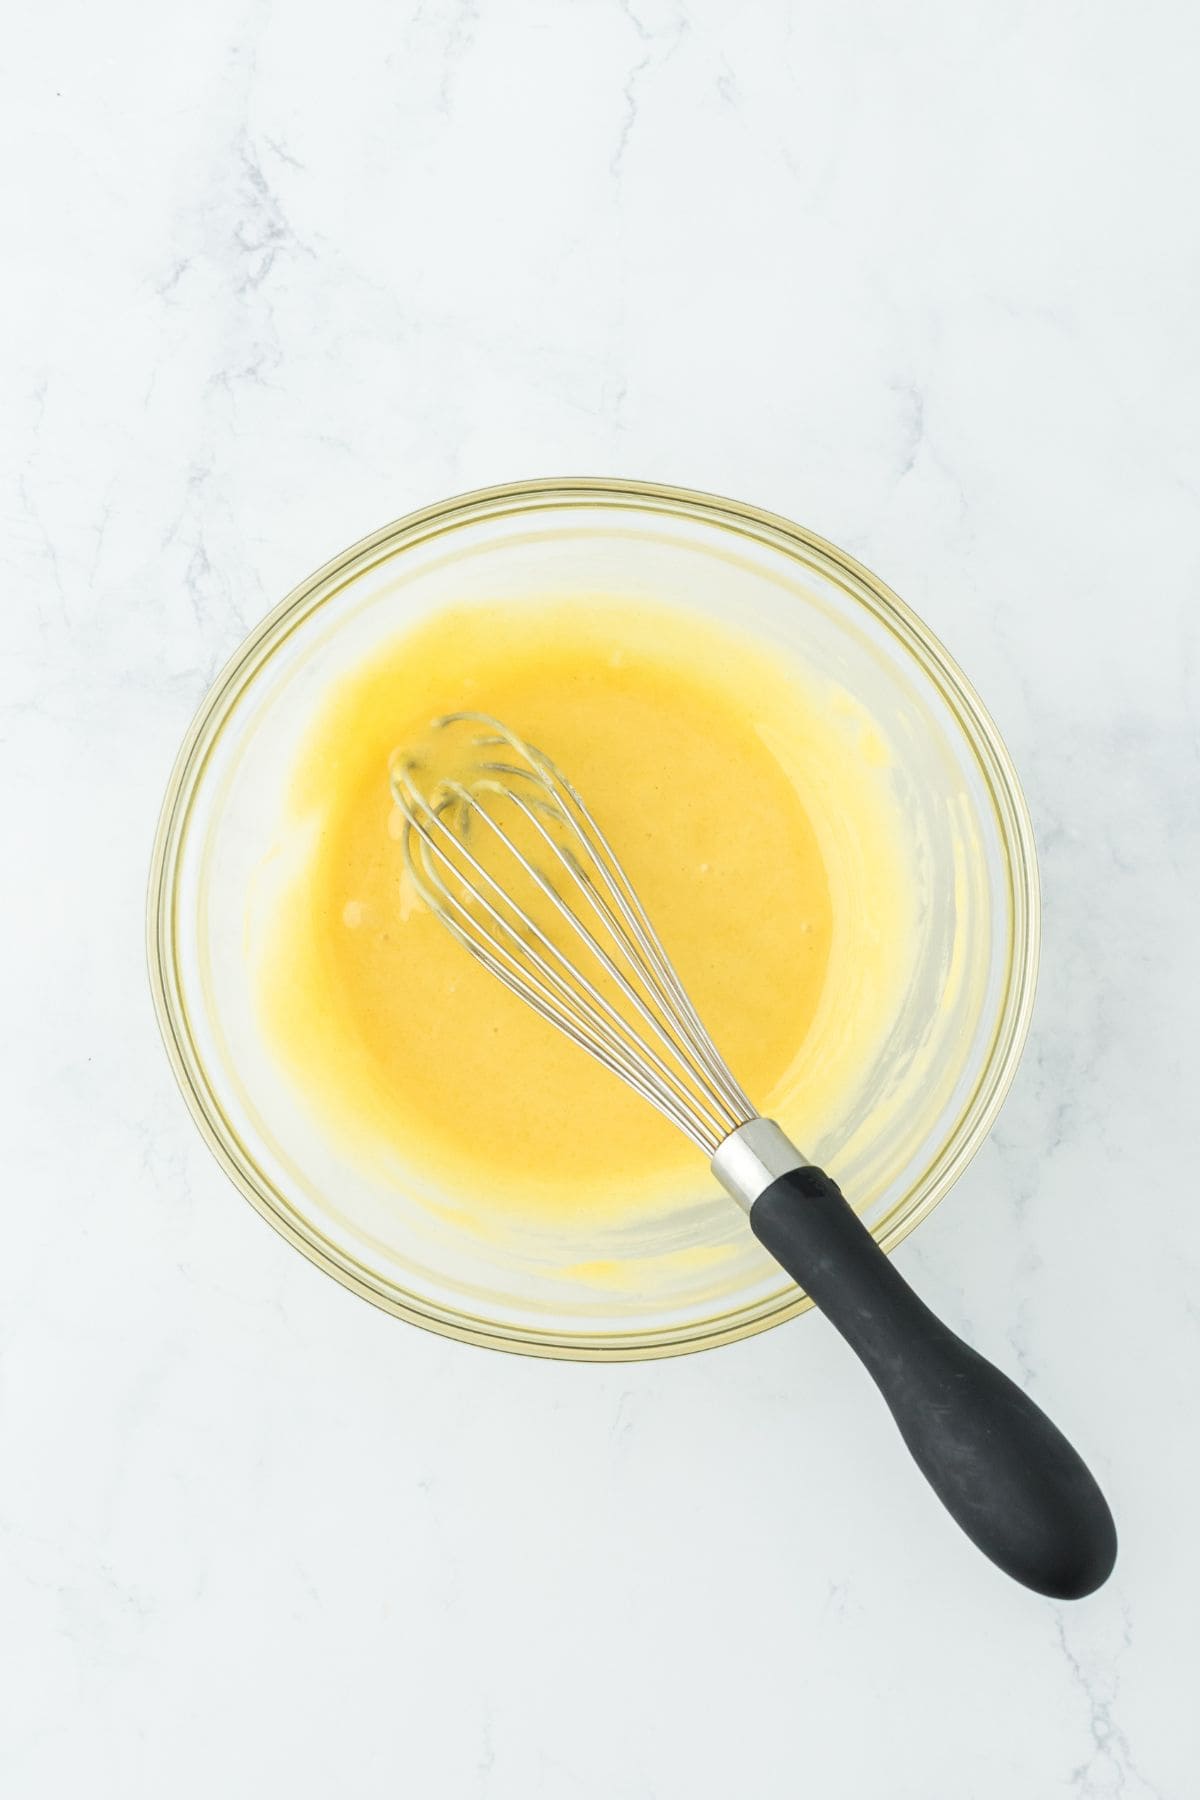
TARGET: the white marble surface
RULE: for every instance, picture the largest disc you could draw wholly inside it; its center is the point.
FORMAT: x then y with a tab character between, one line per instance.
924	278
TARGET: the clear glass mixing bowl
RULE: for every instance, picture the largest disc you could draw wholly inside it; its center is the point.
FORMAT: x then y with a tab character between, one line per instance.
922	1106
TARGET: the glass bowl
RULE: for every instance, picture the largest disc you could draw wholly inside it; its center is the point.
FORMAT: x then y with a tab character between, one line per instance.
922	1106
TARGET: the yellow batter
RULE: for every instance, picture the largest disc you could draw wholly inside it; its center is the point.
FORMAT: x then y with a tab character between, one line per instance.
751	814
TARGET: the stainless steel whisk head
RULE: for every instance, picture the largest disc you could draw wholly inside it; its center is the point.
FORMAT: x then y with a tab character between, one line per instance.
513	863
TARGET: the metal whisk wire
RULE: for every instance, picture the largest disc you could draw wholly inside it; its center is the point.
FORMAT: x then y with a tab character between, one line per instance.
614	990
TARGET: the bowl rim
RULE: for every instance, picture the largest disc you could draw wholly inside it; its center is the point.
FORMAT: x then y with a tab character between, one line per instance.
980	1108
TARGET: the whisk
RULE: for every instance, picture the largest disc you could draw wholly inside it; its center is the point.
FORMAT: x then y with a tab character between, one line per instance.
507	855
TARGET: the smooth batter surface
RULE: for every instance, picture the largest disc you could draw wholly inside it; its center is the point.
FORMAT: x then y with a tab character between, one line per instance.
751	816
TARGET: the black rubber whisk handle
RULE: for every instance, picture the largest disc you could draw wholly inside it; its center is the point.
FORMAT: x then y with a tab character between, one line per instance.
996	1462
